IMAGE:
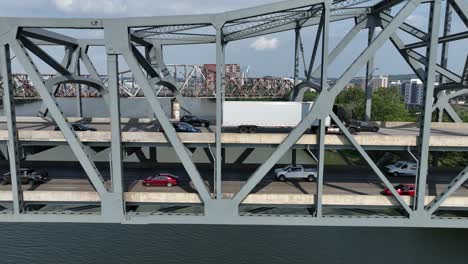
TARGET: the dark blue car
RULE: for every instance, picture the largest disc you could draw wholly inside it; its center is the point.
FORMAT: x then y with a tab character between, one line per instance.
183	127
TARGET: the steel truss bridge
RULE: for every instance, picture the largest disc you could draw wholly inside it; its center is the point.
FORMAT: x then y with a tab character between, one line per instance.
137	43
191	81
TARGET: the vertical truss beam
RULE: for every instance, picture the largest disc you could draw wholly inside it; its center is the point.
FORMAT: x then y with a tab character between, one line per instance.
220	68
297	51
116	137
12	144
369	75
426	118
321	169
447	28
67	131
78	99
325	21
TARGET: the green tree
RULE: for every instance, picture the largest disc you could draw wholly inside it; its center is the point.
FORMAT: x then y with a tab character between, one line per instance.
388	105
352	100
310	96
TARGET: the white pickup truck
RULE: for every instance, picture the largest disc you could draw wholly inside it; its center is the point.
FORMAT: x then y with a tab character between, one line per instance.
296	172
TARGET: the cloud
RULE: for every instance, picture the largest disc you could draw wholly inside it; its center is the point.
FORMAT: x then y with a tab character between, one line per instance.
91	6
263	43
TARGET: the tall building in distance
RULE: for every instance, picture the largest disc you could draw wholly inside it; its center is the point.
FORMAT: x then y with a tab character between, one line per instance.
412	92
379	81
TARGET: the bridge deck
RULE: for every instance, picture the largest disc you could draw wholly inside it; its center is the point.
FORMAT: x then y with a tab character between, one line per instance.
143	132
273	193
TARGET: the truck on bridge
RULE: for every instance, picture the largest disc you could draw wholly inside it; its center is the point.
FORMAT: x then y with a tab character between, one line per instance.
248	116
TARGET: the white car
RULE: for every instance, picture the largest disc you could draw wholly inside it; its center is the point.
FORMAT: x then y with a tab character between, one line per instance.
402	168
296	172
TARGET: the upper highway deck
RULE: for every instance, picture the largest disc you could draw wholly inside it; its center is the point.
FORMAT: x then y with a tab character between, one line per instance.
144	131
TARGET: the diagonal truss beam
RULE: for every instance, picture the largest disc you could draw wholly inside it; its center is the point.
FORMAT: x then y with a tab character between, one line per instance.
451	188
412	62
322	107
44	56
49	36
70	135
423	60
413	31
461	7
156	58
371	163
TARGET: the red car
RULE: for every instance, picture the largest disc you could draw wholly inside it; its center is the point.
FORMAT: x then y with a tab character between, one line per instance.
163	179
402	189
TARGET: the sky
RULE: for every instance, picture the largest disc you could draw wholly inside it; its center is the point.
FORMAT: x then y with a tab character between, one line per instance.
271	55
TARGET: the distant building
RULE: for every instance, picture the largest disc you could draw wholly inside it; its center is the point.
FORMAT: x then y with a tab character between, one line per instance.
231	70
412	92
379	81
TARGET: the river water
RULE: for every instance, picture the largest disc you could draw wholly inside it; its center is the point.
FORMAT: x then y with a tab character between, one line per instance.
200	244
106	243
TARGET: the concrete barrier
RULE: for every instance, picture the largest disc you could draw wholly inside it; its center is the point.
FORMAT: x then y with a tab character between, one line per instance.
437	125
236	139
252	199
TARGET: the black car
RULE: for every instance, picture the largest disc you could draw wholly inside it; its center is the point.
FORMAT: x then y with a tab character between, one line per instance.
183	127
27	176
367	126
79	127
195	121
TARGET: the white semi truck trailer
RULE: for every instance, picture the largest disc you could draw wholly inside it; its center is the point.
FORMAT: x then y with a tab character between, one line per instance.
248	116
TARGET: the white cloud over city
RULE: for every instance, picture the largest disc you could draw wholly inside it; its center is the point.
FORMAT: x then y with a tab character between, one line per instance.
263	43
